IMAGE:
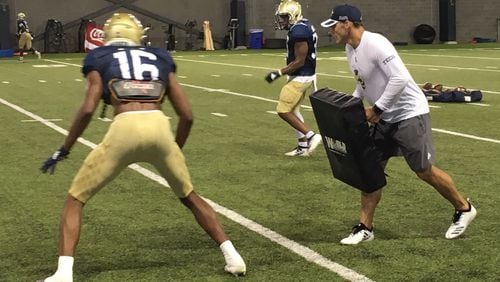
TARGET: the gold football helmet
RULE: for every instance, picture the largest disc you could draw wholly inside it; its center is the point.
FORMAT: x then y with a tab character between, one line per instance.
123	28
290	9
21	16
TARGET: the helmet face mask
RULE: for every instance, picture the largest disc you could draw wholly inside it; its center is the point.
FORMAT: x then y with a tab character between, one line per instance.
123	28
290	9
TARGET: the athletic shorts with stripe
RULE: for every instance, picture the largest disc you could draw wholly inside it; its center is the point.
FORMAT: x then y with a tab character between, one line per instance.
411	138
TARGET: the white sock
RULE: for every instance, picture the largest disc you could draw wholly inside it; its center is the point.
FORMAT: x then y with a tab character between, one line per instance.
309	134
301	118
230	254
65	265
64	270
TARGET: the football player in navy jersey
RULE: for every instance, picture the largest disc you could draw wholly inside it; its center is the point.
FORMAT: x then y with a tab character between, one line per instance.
134	80
25	37
301	70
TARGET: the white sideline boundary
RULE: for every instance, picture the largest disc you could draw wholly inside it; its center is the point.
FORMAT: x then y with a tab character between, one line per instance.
303	251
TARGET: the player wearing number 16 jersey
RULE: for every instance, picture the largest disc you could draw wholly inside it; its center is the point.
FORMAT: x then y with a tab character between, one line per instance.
302	42
134	80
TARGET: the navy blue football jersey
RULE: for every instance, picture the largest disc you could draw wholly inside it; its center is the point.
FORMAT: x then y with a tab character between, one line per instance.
129	63
22	26
303	31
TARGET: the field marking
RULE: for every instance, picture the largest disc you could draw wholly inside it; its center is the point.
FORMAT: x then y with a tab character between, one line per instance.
253	67
180	58
466	135
105	119
450	67
49	66
452	56
219	114
318	73
479	104
303	251
309	107
34	120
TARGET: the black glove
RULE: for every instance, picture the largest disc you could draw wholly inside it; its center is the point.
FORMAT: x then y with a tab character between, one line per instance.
50	163
272	76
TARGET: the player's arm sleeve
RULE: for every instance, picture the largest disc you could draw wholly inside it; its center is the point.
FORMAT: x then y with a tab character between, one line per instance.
300	32
170	63
393	67
90	63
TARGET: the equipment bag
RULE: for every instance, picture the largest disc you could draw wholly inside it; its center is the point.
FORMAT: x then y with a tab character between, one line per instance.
437	93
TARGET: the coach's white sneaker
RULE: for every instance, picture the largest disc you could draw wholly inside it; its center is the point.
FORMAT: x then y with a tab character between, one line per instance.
234	262
298	152
460	221
38	54
360	233
313	143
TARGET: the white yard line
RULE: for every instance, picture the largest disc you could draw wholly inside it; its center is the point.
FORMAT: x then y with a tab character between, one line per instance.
450	67
219	115
34	120
467	135
266	68
304	106
327	74
452	56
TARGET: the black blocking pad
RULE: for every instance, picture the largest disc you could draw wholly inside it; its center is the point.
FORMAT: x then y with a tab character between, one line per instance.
353	156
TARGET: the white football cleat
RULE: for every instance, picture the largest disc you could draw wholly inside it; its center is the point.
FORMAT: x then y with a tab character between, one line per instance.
313	143
298	152
460	221
360	233
38	54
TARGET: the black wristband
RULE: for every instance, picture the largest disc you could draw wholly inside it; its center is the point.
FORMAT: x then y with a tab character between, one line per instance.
377	110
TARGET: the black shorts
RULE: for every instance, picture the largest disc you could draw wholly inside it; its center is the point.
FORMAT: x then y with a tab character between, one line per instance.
411	138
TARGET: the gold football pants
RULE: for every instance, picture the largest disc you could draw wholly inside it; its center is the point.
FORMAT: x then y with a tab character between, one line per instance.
291	96
133	137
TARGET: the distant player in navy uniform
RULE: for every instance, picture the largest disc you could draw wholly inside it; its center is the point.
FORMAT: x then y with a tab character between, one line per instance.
25	37
301	70
134	80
